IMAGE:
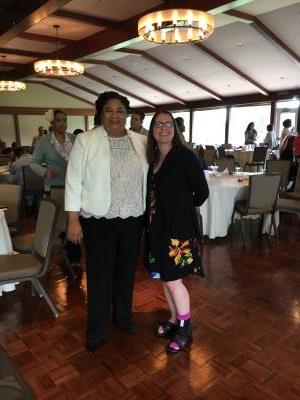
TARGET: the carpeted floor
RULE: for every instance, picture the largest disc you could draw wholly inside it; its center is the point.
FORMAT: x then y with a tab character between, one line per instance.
12	385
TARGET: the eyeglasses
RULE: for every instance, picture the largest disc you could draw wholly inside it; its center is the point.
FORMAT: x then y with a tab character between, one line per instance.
167	124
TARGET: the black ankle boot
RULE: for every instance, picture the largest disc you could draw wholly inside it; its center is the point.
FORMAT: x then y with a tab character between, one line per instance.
183	337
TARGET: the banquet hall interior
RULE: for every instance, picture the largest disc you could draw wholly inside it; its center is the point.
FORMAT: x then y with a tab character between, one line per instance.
246	310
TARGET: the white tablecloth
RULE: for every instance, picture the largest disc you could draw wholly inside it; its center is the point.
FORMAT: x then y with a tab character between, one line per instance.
217	210
5	247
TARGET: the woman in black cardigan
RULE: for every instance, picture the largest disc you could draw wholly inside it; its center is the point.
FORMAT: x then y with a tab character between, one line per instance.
176	185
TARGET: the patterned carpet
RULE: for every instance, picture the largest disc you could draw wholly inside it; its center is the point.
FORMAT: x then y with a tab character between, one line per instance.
12	385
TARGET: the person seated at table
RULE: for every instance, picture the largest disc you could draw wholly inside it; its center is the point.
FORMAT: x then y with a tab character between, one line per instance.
250	134
270	139
21	158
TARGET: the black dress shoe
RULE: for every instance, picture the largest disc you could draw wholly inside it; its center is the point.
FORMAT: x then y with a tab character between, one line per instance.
92	347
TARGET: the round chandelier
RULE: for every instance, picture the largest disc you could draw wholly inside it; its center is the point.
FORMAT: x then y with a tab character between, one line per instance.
11	86
176	26
58	67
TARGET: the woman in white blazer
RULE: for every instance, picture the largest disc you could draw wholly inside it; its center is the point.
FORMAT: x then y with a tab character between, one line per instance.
105	200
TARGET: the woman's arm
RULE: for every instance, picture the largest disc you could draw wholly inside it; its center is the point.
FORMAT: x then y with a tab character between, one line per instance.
195	177
74	231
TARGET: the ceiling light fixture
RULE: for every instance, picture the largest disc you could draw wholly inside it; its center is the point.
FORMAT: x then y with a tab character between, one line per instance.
58	67
11	86
176	26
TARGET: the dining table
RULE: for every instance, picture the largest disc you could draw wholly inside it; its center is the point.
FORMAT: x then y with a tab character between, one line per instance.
224	191
5	248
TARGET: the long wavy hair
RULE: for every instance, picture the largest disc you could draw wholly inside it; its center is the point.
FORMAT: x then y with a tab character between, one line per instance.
152	147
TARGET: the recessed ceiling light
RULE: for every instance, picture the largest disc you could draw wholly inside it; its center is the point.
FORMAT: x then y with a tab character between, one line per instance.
185	58
240	44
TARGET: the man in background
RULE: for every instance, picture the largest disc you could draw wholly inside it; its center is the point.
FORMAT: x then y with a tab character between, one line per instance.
270	139
38	136
136	122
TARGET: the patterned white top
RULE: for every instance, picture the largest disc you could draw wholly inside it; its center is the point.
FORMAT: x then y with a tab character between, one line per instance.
126	180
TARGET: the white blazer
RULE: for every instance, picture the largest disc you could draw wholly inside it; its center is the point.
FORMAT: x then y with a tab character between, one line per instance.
88	172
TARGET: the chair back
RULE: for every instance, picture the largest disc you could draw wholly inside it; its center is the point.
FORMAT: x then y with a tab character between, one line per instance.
281	167
43	234
224	163
57	194
263	191
210	156
259	154
11	195
33	184
221	152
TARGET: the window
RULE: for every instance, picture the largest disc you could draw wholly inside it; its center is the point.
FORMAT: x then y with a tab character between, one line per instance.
286	110
209	126
240	117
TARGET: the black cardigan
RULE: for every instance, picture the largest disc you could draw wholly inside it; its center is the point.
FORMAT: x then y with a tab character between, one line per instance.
180	187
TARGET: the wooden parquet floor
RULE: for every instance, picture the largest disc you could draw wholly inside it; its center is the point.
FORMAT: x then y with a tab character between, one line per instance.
246	323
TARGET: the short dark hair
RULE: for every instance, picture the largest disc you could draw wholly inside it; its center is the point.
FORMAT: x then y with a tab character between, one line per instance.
287	123
77	131
270	127
152	147
138	112
57	111
104	98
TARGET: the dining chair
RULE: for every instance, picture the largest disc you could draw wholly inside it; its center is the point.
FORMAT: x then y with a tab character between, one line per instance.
11	195
258	160
289	205
281	167
261	200
32	267
224	163
210	156
24	243
33	185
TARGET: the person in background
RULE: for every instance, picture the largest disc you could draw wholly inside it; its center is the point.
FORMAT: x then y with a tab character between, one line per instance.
21	159
105	199
270	139
50	159
38	136
176	186
250	134
181	128
287	123
77	131
136	122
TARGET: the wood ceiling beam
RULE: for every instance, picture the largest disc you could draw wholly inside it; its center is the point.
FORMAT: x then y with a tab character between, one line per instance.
227	64
136	78
156	61
45	39
78	86
24	53
87	19
59	90
266	32
9	64
119	89
48	8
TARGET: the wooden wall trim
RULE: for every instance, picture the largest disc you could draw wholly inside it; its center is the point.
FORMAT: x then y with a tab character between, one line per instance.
41	111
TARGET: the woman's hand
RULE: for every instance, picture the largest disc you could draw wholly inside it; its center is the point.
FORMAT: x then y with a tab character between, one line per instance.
49	173
74	231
